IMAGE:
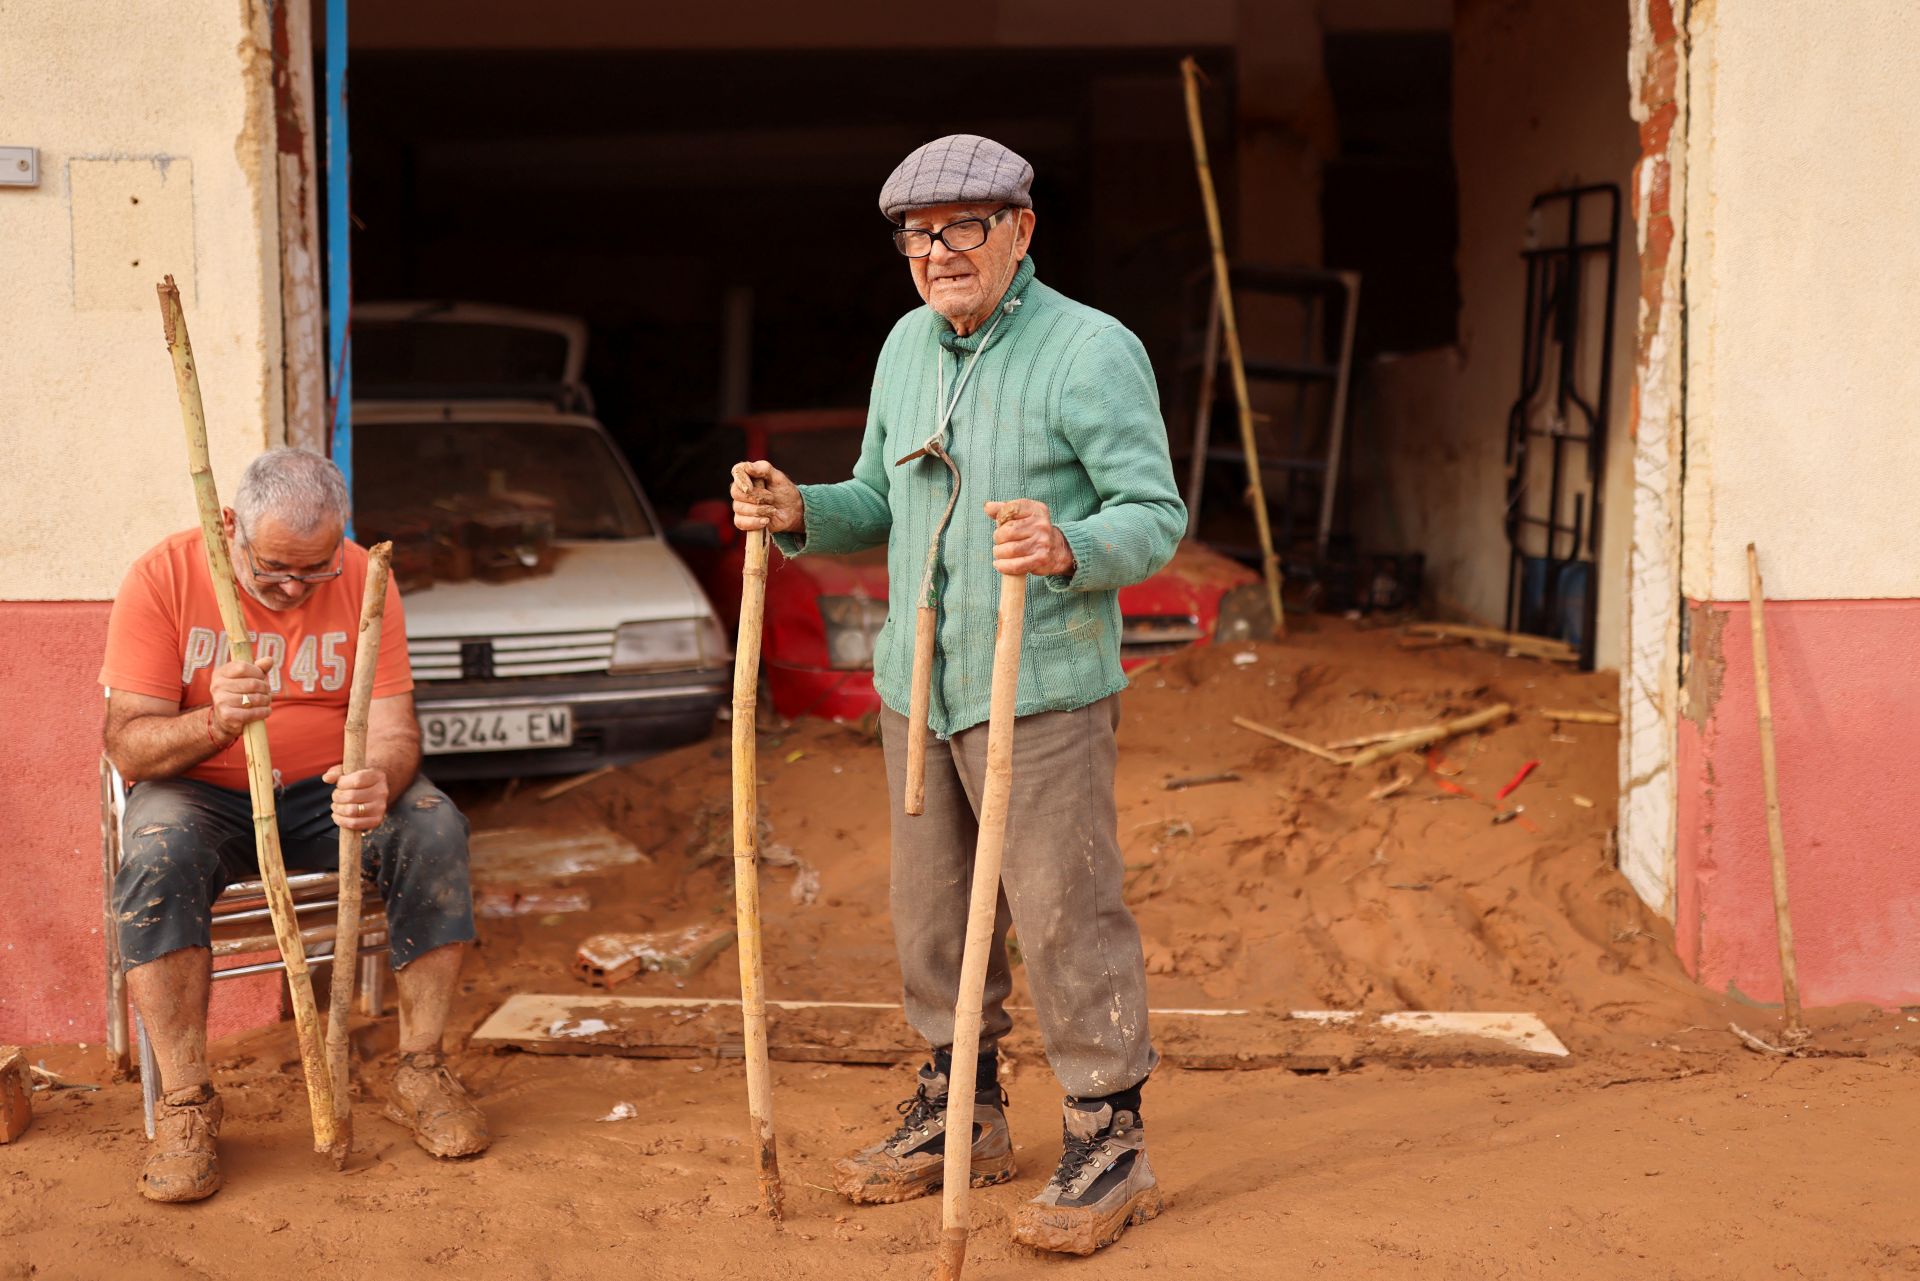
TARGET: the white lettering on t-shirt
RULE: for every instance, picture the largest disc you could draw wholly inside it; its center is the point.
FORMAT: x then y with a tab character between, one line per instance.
202	645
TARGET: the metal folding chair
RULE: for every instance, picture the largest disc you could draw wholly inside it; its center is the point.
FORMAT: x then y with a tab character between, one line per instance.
242	925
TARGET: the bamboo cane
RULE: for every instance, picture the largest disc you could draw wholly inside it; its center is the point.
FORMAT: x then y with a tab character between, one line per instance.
746	866
353	757
1769	768
1431	734
925	624
981	912
266	825
1230	330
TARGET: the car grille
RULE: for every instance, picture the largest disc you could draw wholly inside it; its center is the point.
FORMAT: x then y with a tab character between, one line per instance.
505	657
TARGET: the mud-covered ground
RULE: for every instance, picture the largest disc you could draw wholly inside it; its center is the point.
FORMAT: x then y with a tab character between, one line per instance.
1662	1149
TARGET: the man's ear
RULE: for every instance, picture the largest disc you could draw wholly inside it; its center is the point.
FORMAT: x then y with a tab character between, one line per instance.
1023	234
228	524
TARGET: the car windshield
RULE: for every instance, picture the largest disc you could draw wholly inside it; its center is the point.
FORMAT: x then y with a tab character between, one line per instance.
410	469
818	457
422	353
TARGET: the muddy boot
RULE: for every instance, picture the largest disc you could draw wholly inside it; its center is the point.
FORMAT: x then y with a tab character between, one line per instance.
183	1164
909	1162
429	1100
1103	1185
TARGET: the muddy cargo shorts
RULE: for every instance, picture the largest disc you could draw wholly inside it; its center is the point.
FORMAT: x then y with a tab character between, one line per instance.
185	841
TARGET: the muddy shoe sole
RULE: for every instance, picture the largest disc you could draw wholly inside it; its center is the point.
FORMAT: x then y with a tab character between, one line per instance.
864	1185
443	1152
1079	1232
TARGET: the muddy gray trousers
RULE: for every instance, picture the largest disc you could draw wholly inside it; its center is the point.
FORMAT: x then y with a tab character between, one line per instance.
188	840
1060	890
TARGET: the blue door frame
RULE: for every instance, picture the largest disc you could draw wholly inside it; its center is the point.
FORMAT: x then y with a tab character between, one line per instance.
339	265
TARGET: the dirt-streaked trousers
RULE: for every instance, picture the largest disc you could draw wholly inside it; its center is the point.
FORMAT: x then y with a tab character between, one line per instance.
1060	891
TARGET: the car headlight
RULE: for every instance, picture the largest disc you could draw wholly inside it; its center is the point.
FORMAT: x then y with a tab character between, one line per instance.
853	625
668	644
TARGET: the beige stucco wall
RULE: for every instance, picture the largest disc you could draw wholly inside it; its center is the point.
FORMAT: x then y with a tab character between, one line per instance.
155	142
1803	386
1540	101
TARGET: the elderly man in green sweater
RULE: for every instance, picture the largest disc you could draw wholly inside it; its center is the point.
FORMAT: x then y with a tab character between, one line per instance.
1011	430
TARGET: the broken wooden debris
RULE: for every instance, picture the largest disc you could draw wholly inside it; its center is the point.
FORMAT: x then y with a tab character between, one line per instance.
578	780
1200	780
606	959
864	1033
1281	736
1432	734
16	1094
1518	643
512	856
1569	716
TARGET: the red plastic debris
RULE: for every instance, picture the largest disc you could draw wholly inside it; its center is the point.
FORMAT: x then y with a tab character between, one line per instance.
1516	780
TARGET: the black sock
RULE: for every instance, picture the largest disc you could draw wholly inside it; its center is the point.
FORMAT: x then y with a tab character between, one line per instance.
987	1075
1123	1101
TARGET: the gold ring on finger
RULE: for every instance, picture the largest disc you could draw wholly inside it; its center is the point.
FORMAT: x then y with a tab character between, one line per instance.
246	700
361	808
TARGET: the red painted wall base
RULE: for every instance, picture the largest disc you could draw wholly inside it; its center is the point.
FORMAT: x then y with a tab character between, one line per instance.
53	984
1845	678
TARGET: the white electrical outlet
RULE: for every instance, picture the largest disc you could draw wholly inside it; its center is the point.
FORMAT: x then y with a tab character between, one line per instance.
19	167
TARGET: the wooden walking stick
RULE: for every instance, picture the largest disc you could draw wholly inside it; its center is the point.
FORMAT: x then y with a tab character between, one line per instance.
746	866
1230	330
981	911
1776	840
266	825
346	933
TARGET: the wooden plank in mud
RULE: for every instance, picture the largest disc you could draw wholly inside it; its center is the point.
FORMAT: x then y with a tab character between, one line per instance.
877	1033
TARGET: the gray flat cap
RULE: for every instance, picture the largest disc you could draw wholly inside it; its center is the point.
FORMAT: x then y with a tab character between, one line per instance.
959	169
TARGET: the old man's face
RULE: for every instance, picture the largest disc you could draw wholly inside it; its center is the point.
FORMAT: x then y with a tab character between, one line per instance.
965	287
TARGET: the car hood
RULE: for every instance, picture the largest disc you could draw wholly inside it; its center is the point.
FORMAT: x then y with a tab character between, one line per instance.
594	586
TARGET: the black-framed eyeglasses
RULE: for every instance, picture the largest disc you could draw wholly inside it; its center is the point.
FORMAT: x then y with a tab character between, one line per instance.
963	235
284	576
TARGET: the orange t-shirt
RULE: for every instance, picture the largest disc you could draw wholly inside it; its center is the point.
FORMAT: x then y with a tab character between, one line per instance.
164	638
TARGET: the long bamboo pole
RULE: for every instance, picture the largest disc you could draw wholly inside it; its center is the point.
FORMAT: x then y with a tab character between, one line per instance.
746	866
981	910
1769	768
1230	331
266	825
353	757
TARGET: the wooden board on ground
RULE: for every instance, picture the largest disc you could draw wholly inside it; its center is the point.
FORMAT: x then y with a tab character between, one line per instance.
876	1033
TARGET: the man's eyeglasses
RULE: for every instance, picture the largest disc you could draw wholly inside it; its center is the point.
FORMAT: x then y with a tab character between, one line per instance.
963	235
282	576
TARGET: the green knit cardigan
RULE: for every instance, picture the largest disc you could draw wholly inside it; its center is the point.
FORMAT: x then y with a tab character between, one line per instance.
1060	407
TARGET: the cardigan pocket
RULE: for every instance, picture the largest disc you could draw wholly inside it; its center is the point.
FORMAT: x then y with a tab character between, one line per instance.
1085	632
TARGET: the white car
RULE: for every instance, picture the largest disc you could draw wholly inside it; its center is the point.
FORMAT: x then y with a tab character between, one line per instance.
611	653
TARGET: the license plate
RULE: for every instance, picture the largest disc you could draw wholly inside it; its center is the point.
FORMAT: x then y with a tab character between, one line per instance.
444	732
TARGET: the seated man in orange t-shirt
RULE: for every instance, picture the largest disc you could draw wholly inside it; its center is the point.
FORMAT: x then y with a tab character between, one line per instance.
176	708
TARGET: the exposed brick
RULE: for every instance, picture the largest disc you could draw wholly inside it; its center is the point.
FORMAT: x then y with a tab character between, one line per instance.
1662	75
1660	20
1658	243
1657	130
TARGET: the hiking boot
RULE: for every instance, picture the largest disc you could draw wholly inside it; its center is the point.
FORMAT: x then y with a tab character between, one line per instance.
429	1100
910	1162
1103	1185
183	1164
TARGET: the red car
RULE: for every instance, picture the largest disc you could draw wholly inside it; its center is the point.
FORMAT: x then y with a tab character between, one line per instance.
825	612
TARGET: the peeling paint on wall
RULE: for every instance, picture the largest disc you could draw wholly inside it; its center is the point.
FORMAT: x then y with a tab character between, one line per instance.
1649	693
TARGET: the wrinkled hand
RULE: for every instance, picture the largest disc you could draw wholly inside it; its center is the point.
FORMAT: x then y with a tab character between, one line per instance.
1027	541
359	798
242	694
773	505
